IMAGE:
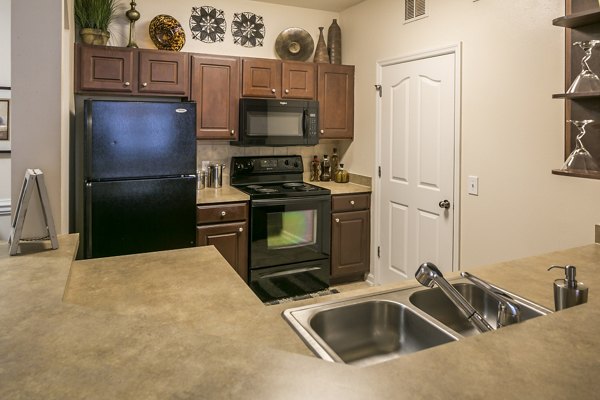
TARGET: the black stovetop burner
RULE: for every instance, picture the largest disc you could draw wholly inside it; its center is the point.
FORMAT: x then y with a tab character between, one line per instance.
272	177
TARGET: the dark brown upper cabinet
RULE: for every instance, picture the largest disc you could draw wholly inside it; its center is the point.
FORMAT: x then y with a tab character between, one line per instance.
131	71
335	93
277	79
216	89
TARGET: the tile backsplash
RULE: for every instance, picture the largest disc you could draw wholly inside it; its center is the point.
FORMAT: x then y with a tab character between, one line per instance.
219	152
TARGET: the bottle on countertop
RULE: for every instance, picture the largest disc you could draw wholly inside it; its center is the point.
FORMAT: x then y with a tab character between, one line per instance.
314	169
568	292
342	176
325	169
335	161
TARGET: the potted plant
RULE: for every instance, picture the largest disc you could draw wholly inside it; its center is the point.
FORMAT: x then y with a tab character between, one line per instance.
93	18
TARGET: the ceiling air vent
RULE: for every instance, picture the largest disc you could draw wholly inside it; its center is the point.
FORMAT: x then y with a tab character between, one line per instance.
414	9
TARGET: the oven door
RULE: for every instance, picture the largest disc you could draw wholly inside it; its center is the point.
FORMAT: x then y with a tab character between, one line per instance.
289	230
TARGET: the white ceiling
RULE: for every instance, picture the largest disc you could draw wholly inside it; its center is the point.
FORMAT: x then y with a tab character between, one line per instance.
325	5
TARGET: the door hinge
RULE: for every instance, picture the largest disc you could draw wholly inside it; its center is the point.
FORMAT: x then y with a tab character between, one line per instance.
378	252
379	171
379	89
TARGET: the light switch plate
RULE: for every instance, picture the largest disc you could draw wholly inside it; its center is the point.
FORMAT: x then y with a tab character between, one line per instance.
473	185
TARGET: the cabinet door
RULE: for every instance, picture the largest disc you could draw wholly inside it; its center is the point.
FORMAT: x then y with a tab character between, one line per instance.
335	92
261	78
232	242
298	80
162	72
105	69
215	88
350	243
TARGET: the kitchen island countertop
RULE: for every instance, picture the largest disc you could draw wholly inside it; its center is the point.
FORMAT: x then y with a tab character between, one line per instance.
181	324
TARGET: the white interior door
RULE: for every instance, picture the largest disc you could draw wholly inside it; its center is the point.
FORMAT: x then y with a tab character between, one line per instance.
417	155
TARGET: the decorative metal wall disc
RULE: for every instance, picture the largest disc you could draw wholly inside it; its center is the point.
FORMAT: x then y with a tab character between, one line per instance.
248	29
208	24
294	44
166	33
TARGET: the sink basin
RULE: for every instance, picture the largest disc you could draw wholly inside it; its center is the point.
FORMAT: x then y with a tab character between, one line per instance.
377	327
369	331
436	304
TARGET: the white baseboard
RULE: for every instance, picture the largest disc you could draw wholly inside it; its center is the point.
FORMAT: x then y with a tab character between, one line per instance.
4	206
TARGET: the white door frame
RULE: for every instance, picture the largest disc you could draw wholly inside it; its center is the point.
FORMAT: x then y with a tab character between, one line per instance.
375	275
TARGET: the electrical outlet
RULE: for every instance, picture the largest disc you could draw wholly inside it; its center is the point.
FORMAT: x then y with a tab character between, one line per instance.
473	185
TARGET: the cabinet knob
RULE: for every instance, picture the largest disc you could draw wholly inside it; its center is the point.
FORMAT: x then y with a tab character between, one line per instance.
287	91
322	131
232	132
241	229
337	220
223	213
127	83
273	90
352	202
144	84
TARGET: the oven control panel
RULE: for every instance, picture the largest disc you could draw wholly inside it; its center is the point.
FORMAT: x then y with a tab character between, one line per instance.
266	165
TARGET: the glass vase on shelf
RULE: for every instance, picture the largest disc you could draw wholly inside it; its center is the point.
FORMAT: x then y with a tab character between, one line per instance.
587	80
580	160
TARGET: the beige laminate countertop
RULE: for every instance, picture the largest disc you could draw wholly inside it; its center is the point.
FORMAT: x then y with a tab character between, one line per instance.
225	194
228	194
343	188
182	325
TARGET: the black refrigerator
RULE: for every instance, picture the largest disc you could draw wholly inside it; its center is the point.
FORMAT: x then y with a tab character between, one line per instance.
139	177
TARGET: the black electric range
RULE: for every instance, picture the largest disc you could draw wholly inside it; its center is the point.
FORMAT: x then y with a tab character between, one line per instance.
290	226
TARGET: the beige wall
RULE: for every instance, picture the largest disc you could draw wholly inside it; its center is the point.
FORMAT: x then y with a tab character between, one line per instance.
40	111
512	130
4	81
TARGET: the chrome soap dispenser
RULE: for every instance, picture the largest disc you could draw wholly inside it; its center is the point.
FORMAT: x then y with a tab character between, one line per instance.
568	292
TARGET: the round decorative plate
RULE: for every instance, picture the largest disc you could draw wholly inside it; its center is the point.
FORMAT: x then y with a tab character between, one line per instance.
208	24
294	44
166	33
248	29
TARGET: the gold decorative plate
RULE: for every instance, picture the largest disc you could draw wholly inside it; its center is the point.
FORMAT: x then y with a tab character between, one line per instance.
167	33
294	44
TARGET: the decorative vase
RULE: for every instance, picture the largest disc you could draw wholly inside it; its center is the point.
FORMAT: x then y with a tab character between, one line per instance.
94	36
321	54
334	43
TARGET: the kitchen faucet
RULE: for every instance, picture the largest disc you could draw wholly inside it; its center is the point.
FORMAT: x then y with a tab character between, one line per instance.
428	274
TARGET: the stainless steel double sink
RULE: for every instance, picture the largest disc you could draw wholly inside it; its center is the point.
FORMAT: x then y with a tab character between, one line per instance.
374	328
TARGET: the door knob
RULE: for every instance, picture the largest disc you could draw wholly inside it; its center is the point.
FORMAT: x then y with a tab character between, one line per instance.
444	204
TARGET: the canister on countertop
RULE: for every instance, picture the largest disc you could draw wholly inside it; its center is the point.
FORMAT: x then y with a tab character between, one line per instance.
215	175
568	292
201	179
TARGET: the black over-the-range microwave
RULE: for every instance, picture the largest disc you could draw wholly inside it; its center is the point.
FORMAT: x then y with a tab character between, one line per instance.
272	122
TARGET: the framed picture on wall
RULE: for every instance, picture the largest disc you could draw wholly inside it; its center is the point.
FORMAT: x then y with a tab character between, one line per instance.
5	134
4	104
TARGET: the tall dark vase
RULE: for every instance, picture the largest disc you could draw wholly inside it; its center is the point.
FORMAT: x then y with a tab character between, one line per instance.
321	54
334	43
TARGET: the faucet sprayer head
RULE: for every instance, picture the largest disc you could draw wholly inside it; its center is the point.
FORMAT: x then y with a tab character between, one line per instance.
427	273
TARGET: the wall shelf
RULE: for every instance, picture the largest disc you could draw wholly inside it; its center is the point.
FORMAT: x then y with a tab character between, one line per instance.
578	19
578	174
574	96
582	23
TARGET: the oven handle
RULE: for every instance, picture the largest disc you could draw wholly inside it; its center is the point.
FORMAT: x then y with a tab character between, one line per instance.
289	272
288	200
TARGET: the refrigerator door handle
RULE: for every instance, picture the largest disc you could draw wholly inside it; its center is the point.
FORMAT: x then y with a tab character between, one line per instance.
88	221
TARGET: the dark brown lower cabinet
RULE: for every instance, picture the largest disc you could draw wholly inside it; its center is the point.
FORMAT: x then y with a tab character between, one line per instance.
350	237
217	227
